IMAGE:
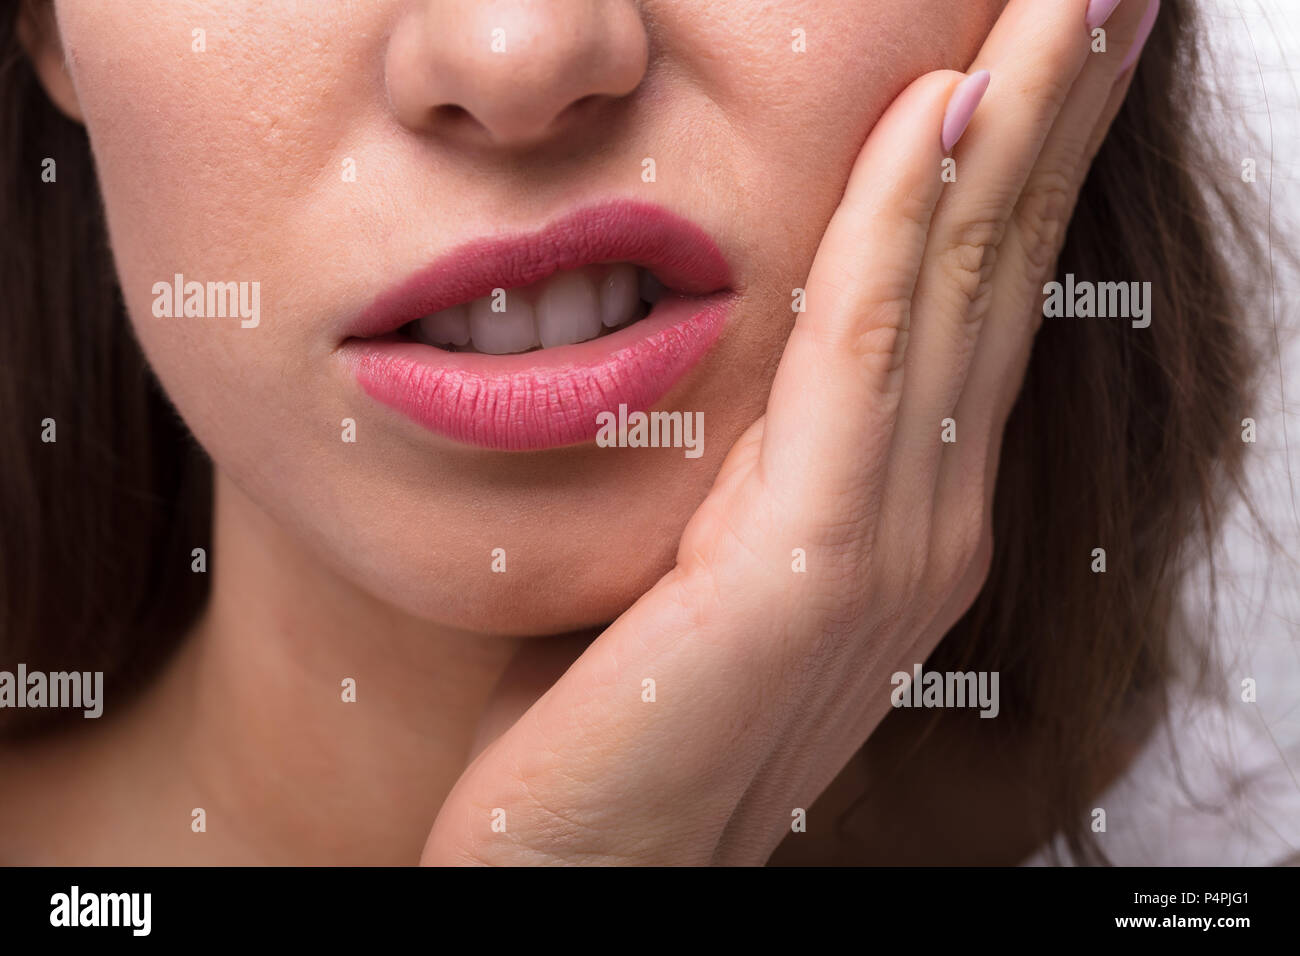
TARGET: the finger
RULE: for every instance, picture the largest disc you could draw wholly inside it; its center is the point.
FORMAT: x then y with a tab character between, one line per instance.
1128	49
531	672
1036	232
1037	53
833	400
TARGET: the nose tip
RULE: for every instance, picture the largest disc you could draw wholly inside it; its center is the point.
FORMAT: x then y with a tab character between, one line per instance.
512	73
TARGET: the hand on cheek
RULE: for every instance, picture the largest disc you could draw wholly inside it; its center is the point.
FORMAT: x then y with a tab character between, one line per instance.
849	528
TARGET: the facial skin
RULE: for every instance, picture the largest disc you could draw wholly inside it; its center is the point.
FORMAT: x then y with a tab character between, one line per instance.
372	560
226	165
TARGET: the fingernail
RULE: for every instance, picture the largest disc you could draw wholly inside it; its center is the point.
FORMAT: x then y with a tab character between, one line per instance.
1144	33
962	106
1099	12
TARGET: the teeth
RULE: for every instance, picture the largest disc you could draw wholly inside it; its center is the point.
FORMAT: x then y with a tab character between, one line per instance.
567	312
618	296
500	333
448	327
569	308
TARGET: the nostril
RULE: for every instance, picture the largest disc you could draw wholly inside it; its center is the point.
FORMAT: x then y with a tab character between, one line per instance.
450	113
584	109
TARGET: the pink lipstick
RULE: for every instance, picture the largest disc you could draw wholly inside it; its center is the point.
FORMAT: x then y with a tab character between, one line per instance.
420	346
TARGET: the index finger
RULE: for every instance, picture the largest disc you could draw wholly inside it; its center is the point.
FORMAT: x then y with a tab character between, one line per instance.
838	384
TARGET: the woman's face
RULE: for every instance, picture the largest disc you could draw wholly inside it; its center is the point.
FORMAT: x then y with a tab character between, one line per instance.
330	150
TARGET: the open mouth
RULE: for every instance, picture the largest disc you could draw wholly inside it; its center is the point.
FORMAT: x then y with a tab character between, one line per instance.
566	308
520	341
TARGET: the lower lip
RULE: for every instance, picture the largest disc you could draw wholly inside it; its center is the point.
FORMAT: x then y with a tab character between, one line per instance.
544	399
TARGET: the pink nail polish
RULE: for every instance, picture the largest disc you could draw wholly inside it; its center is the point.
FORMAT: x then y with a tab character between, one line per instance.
962	106
1144	33
1099	12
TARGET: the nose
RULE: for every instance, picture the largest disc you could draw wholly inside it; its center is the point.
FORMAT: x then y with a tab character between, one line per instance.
512	72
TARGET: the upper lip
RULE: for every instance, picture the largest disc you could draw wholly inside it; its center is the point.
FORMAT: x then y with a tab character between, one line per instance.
679	253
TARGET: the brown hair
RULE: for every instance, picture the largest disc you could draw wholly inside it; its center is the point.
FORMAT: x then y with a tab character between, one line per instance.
1122	439
98	525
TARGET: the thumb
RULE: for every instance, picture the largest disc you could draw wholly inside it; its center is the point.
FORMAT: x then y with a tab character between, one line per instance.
537	665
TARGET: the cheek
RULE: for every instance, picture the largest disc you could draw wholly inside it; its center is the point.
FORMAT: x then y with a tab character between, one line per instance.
199	148
212	158
214	134
215	164
795	92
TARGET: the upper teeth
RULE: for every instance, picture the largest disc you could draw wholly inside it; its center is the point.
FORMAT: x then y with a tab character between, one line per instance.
568	308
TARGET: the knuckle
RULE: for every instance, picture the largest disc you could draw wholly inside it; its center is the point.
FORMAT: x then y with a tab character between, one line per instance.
983	231
880	346
916	206
968	268
1041	217
877	335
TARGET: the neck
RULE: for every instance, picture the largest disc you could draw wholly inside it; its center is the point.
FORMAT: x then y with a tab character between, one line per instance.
259	700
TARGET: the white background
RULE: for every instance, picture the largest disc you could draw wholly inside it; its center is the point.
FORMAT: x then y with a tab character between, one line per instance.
1259	77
